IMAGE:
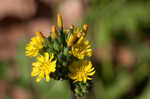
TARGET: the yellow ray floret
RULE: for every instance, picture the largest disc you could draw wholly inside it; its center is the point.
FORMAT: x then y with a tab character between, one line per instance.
81	49
36	43
43	67
81	71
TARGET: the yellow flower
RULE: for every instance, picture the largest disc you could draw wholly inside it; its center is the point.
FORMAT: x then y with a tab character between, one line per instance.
81	70
36	43
43	67
81	49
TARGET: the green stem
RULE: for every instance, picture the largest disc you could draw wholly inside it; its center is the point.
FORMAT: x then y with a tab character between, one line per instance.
73	95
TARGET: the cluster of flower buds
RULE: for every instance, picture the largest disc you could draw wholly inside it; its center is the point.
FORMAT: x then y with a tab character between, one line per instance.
64	55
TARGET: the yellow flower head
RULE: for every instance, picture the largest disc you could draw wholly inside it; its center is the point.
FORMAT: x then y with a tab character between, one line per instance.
81	70
36	43
44	66
81	49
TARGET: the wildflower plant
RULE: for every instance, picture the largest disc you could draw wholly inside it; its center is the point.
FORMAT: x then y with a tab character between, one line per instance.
64	55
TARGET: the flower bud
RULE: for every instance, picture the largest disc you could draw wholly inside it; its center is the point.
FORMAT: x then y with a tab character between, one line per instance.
54	35
66	31
39	34
79	34
59	21
71	40
85	27
72	26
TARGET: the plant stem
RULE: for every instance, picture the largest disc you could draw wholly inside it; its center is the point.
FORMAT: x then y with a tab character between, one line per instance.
72	95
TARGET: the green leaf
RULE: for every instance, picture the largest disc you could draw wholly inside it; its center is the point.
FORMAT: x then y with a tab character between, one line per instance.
66	51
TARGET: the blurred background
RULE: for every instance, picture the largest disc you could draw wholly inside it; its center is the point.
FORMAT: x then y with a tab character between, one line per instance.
118	29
